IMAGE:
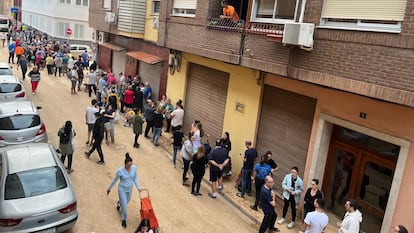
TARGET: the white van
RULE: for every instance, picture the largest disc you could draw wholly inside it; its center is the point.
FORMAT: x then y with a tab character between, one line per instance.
77	49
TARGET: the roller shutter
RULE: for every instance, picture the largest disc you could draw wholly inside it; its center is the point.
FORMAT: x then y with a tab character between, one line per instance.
152	74
285	128
118	62
206	100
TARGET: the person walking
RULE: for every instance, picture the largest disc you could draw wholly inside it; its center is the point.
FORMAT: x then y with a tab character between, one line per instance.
97	137
66	138
128	177
23	65
3	39
292	186
34	76
218	159
12	49
352	218
157	125
249	157
73	78
90	118
268	200
91	82
310	196
260	171
58	61
187	155
316	221
177	143
198	168
137	122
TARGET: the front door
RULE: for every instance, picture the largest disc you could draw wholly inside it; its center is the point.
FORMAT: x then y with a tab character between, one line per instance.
360	174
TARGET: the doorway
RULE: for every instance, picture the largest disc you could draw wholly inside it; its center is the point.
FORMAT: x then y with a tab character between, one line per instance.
362	168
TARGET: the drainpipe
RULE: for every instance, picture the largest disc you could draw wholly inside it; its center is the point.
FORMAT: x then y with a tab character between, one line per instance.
302	11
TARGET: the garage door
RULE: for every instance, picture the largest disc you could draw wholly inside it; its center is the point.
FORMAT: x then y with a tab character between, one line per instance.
285	128
152	74
206	99
118	62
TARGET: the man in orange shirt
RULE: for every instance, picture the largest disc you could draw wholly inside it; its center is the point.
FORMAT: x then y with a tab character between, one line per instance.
229	12
19	52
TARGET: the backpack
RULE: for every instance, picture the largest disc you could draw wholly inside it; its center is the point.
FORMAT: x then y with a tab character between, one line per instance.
64	138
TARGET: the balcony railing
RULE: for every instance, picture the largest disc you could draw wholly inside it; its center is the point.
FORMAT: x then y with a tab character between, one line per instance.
225	25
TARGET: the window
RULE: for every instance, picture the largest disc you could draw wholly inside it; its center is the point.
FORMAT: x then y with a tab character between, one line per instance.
19	122
61	29
106	4
78	2
156	5
275	10
79	30
184	7
85	2
62	1
69	2
372	15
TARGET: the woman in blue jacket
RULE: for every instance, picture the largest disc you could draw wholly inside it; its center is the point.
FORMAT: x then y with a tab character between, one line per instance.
128	177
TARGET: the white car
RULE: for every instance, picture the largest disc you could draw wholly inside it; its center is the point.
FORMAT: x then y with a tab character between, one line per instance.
5	69
36	192
11	88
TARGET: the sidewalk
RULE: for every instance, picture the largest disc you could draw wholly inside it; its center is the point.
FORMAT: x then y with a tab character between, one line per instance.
243	204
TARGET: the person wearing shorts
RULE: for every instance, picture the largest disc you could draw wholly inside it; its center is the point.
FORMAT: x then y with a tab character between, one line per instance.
219	157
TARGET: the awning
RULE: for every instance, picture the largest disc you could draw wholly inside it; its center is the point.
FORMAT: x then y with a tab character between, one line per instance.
114	47
145	57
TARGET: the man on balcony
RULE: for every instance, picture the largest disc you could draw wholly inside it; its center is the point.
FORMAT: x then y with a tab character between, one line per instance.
229	12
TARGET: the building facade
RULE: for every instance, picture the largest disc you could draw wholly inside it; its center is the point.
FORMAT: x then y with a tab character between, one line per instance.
326	85
55	17
126	32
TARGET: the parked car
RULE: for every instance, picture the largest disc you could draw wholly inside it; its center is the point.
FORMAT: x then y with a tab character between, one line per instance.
11	88
20	122
36	192
5	69
76	50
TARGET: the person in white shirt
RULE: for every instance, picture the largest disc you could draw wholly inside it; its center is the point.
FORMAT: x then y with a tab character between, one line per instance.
316	221
92	79
90	118
177	117
352	218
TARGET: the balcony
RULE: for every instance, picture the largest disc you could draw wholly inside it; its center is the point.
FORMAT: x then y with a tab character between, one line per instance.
273	32
225	25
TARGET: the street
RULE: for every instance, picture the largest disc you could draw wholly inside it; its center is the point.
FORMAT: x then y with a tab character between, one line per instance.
176	209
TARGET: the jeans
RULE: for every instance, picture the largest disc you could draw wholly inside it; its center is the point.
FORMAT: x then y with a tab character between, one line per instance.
124	198
258	184
150	124
186	166
175	149
268	222
156	135
292	203
246	181
58	70
90	88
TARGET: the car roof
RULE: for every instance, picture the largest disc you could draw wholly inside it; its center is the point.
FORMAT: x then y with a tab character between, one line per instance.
28	157
4	65
16	107
9	79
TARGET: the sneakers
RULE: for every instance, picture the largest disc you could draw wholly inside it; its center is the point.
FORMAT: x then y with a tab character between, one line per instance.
87	154
136	145
291	225
253	207
240	195
124	225
281	221
220	187
118	206
275	229
101	162
126	124
194	194
70	171
212	195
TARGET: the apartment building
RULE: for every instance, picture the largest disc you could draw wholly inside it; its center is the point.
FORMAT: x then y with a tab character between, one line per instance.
126	32
55	17
326	85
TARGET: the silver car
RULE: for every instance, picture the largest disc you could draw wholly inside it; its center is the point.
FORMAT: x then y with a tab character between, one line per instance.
11	88
20	123
36	192
5	69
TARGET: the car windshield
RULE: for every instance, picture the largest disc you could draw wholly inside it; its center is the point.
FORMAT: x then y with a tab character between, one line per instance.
34	183
5	71
19	121
10	87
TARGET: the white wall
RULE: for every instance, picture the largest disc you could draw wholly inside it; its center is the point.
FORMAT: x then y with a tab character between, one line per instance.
45	15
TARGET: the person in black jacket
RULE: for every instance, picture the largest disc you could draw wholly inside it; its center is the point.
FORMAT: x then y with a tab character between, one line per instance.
311	195
198	168
97	137
227	145
157	125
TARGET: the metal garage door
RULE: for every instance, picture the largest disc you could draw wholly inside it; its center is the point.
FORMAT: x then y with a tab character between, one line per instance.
285	128
206	99
118	62
152	74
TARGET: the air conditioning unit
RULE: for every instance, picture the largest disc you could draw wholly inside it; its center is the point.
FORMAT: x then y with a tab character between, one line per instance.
95	35
102	37
110	17
299	34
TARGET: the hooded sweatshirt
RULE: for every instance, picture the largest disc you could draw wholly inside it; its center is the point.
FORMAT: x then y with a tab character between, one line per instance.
351	222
